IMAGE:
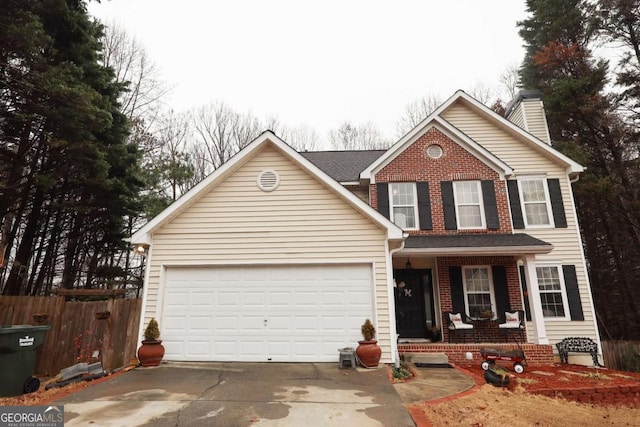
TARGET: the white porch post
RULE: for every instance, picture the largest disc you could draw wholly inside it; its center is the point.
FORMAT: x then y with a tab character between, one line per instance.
535	305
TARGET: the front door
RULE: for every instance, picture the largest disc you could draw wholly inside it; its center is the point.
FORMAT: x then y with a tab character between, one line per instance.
414	302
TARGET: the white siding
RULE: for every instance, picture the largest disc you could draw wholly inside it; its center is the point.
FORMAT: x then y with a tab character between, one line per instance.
529	115
516	117
566	241
302	222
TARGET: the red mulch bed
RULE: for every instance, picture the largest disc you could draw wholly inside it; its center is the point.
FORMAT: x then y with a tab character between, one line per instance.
585	377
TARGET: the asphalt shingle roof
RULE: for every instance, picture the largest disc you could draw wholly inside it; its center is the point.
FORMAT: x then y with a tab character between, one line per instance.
343	166
473	241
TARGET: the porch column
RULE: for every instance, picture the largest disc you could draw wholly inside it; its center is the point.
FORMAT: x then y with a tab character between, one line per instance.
535	305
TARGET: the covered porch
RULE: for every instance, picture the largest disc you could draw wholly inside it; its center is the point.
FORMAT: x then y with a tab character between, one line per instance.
480	276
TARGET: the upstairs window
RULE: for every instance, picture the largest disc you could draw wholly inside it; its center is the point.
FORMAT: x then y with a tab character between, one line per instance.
403	204
535	202
468	201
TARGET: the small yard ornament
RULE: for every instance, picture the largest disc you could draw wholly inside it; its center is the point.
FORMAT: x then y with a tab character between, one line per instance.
152	351
368	351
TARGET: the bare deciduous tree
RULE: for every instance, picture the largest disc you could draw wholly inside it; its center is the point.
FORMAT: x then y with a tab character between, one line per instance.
415	112
482	92
131	65
363	137
510	82
302	138
220	132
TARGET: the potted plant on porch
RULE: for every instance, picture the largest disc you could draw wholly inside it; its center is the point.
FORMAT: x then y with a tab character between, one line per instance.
368	351
152	351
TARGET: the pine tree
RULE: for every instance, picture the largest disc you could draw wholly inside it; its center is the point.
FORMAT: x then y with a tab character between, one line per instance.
68	178
585	124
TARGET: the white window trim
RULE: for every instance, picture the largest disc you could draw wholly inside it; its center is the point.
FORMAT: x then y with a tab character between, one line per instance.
483	220
492	293
415	205
563	291
545	187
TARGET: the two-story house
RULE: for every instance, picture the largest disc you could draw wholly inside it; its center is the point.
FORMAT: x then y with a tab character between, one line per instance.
281	256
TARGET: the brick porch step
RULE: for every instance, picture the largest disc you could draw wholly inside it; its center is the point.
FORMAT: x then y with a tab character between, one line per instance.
427	359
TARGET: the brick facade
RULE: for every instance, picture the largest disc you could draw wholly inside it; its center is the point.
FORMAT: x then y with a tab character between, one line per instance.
456	164
536	354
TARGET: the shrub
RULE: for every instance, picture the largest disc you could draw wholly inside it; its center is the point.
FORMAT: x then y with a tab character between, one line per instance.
368	330
152	333
401	373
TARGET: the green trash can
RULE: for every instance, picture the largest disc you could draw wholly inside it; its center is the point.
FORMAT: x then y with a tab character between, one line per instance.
18	345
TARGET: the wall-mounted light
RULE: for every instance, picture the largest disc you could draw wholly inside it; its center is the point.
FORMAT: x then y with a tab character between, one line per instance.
408	265
141	249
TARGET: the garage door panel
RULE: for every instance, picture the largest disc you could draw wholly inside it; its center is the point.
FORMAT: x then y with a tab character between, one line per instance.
252	348
227	323
280	298
254	299
252	323
277	313
279	348
197	349
178	298
308	324
226	349
229	299
202	298
200	323
280	323
174	324
305	298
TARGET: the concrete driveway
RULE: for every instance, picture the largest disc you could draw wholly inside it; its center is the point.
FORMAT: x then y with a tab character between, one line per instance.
240	394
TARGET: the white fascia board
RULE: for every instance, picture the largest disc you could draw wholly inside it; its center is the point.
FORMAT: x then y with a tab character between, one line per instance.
572	166
479	250
144	234
452	133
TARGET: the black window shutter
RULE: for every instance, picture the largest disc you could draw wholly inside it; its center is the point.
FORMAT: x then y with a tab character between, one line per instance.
501	290
457	293
382	188
514	202
490	205
448	205
557	207
424	206
525	293
573	293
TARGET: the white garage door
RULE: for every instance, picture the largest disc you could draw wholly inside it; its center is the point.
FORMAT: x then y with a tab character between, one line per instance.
266	313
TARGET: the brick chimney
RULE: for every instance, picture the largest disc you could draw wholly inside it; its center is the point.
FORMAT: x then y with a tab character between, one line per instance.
527	112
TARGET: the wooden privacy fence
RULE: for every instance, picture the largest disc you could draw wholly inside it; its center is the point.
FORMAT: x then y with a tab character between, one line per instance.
623	355
79	330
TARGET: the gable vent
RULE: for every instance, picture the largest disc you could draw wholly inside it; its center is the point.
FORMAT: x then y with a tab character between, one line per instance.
434	151
268	180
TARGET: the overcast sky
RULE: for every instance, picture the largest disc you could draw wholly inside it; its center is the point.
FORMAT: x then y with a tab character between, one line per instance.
321	63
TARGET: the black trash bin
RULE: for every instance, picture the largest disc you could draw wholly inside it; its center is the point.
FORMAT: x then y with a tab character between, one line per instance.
18	345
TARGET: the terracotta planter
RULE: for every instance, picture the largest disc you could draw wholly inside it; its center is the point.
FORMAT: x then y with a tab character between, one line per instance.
369	353
151	352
